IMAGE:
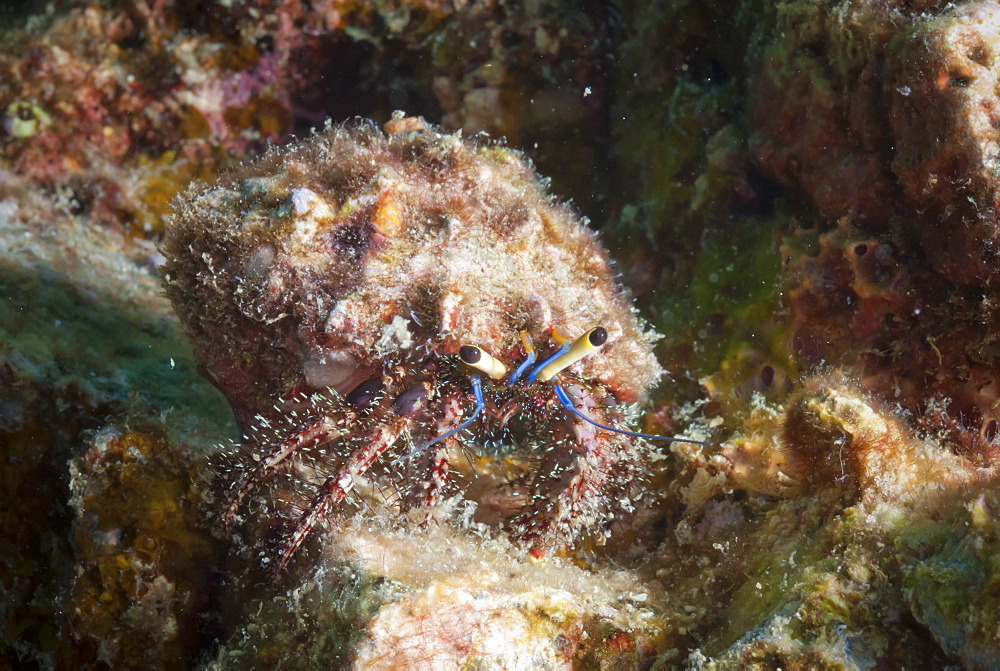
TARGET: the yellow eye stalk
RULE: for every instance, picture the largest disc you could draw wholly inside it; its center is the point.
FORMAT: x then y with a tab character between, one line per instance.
589	342
481	360
567	354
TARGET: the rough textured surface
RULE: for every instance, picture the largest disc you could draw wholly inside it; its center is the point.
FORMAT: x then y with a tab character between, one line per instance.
305	268
360	262
100	516
826	233
817	106
877	111
943	102
450	599
802	197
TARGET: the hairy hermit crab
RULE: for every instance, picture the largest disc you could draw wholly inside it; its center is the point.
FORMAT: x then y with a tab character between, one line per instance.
371	301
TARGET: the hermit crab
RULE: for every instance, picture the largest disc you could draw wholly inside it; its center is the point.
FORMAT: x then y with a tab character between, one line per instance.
372	303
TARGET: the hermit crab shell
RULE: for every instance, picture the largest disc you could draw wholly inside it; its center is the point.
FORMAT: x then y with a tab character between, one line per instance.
329	259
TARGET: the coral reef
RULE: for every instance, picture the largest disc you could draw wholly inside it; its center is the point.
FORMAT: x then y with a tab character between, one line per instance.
869	504
88	111
833	182
949	60
800	195
94	518
121	104
885	114
135	501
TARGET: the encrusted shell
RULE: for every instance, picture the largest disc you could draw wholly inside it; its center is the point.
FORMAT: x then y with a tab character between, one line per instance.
323	260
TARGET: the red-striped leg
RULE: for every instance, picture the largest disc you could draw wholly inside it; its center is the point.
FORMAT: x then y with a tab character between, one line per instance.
317	433
339	485
439	464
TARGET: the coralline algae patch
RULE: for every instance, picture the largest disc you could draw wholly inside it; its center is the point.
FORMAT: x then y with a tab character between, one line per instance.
99	110
825	526
510	613
120	105
135	598
387	597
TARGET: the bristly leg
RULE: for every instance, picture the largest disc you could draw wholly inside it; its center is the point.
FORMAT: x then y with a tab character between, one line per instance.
339	485
312	435
583	463
425	492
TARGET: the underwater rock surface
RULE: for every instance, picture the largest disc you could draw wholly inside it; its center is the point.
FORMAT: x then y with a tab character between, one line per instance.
802	198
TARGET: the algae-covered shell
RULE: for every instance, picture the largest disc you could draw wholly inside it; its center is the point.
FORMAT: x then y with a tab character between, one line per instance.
313	266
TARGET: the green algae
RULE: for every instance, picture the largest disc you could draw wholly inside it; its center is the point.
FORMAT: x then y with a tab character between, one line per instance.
316	624
939	588
729	300
52	331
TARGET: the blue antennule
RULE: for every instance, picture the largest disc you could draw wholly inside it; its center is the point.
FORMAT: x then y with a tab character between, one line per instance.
477	392
529	347
568	353
566	402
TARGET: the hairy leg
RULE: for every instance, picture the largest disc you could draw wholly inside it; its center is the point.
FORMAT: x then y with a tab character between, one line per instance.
339	485
316	433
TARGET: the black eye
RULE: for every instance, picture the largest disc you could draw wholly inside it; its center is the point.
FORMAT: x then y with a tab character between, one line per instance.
598	336
469	354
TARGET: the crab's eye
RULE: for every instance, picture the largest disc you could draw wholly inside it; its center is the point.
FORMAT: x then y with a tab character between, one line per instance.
597	336
589	342
479	359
